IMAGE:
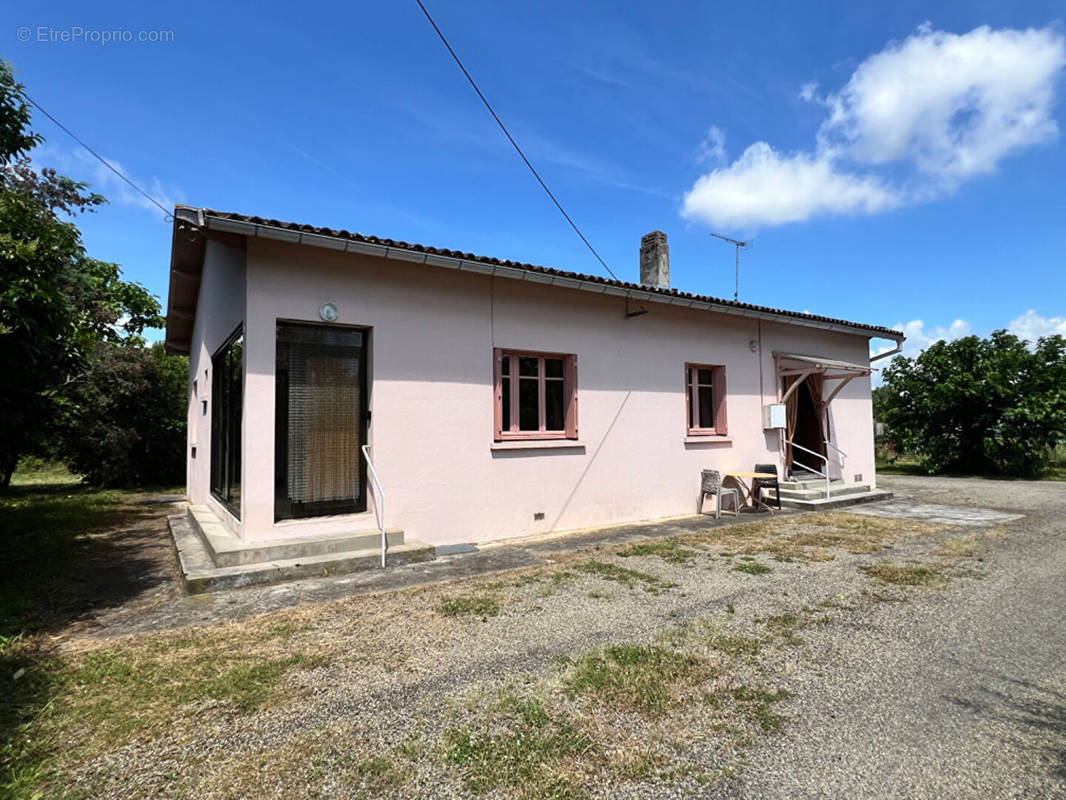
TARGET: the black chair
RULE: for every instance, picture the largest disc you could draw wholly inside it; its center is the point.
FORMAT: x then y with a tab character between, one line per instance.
766	483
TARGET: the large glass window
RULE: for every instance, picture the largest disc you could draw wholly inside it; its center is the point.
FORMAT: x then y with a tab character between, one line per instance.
536	396
320	420
227	396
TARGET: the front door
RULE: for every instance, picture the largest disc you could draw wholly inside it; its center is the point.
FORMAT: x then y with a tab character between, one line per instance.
320	420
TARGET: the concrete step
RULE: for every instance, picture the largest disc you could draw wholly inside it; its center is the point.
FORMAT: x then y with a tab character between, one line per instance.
227	550
835	490
839	501
809	483
200	574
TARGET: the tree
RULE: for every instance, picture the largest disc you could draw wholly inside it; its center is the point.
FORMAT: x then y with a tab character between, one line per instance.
123	422
990	405
56	303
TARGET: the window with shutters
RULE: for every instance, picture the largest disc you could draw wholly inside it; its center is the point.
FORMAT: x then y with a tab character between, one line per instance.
320	417
705	399
536	395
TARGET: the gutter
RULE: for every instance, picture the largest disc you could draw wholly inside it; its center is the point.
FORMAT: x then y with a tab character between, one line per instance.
898	349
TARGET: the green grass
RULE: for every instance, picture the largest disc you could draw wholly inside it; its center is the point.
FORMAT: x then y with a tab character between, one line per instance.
33	471
734	644
630	578
635	677
104	698
906	574
753	568
669	551
47	545
378	774
470	606
756	703
521	746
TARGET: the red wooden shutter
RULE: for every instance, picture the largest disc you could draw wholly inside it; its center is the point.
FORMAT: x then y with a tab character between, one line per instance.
720	426
570	367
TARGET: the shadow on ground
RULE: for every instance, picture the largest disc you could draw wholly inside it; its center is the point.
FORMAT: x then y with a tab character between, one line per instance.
1035	715
67	552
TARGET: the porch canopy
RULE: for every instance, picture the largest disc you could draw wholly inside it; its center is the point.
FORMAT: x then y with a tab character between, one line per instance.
799	367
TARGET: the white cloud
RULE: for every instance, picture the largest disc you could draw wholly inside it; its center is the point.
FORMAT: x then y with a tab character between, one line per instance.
117	190
919	339
712	148
763	187
951	105
943	107
81	165
1031	326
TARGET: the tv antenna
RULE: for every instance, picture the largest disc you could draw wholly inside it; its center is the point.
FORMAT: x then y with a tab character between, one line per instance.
739	245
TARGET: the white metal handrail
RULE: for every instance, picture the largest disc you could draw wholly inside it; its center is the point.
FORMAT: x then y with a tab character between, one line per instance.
816	472
379	500
843	456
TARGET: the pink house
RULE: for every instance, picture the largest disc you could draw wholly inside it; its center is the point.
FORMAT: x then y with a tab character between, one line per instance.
335	376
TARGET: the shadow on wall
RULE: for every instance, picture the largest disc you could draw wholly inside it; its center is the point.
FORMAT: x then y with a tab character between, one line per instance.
591	461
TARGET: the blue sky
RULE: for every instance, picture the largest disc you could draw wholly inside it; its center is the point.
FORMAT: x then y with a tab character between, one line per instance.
896	163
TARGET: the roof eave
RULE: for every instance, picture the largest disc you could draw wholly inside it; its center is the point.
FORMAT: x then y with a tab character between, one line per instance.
265	231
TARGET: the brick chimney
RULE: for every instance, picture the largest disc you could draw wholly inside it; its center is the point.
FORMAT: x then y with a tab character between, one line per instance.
655	260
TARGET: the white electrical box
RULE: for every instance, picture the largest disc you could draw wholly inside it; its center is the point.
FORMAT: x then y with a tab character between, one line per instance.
773	416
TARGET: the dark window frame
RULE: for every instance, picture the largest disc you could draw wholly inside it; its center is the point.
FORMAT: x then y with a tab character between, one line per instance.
284	508
227	419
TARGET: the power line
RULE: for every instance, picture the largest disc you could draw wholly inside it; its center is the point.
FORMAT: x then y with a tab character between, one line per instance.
97	156
514	144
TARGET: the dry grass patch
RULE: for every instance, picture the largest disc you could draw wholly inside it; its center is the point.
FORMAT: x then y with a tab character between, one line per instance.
636	677
812	537
519	745
930	575
668	550
629	578
469	606
958	547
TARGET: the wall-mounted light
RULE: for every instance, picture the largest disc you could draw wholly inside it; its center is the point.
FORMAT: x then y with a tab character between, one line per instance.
754	345
328	312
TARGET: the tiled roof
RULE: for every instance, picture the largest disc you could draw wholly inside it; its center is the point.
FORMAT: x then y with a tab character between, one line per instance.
419	248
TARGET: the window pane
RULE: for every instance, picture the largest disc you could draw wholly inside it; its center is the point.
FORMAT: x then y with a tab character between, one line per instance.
705	376
528	365
506	391
320	409
228	399
706	403
554	412
505	365
553	367
528	404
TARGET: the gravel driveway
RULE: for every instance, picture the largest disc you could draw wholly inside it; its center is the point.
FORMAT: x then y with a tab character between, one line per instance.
962	695
918	652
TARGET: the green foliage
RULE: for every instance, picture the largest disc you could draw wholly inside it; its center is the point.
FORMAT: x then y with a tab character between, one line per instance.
56	302
976	405
122	423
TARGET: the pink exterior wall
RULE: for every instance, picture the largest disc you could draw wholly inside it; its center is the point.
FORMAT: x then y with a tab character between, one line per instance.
220	311
431	373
